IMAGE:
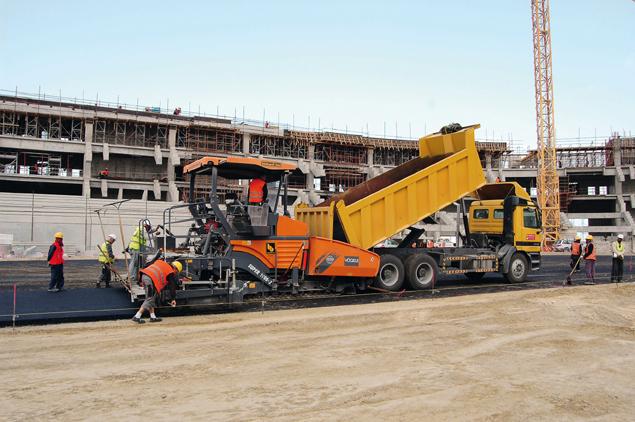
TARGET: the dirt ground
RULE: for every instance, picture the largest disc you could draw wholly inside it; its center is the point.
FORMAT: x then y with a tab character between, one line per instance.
558	354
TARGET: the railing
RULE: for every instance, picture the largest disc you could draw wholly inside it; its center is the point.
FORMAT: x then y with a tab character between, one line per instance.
20	170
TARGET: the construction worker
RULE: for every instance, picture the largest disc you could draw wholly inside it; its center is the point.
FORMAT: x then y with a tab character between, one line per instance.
136	247
617	271
590	256
155	277
576	251
104	174
257	191
106	259
56	262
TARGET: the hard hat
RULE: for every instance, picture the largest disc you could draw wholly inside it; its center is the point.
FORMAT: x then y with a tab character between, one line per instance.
577	237
59	235
146	223
589	237
178	266
620	236
112	236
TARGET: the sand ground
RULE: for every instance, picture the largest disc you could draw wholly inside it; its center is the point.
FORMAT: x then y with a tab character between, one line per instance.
558	354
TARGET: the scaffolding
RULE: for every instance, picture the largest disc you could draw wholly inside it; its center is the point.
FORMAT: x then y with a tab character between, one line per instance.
286	147
130	133
43	126
208	140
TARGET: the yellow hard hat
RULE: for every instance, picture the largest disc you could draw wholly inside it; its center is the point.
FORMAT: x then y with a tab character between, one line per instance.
178	266
589	237
577	237
59	235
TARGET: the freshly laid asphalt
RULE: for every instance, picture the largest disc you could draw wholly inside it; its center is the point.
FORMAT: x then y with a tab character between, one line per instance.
80	300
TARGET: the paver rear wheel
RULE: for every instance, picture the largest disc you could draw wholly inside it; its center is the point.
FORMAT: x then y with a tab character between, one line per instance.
391	273
518	269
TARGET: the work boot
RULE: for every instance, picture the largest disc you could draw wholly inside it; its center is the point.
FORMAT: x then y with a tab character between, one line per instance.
52	290
157	319
98	285
108	285
138	320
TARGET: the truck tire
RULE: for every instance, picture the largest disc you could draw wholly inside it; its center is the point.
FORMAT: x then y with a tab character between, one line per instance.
421	271
474	276
518	268
391	273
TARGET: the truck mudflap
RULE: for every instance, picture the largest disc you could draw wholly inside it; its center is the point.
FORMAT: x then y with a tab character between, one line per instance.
332	258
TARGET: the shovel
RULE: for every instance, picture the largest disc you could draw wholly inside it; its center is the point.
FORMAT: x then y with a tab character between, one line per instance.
568	280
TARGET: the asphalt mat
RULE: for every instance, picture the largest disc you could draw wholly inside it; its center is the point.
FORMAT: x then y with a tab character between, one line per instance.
80	300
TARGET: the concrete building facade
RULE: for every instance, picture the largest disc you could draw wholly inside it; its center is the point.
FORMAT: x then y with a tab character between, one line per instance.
50	147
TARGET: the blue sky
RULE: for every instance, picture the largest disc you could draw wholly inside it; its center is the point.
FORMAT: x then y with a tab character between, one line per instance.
414	65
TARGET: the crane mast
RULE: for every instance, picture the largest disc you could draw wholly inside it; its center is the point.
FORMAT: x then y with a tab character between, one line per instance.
548	182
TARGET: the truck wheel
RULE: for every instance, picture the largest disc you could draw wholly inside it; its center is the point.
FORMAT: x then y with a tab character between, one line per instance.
391	273
474	276
421	271
518	269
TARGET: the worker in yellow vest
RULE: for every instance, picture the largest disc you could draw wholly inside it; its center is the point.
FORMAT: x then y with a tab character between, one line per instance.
617	271
106	259
155	277
136	247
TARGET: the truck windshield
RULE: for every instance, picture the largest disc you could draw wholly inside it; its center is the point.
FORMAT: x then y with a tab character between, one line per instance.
530	218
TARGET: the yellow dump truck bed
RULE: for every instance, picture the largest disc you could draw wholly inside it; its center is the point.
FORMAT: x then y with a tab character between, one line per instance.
447	169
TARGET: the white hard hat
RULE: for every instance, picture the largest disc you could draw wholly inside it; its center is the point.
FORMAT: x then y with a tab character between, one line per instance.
620	236
112	236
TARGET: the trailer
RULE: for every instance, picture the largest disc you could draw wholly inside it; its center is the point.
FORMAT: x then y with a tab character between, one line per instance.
235	250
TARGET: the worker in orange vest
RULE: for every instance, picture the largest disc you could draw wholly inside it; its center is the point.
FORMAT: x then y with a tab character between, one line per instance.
155	277
257	191
56	262
590	256
576	251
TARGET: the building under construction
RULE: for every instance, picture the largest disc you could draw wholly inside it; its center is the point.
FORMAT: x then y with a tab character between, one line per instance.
78	153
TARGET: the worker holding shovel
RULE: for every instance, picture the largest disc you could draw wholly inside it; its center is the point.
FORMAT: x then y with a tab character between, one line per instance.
106	258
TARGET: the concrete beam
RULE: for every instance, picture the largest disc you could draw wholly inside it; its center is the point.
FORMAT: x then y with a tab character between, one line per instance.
592	215
45	145
12	178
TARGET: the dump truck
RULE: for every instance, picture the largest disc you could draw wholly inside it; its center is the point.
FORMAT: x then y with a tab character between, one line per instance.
447	170
236	250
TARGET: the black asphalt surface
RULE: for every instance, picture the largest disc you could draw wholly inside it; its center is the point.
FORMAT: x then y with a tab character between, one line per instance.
82	301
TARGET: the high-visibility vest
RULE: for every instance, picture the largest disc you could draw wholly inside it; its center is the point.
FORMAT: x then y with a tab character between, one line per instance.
575	248
159	273
104	257
591	257
137	240
58	255
256	191
619	246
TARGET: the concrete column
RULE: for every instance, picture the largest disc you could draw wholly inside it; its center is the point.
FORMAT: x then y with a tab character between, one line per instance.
88	158
309	176
158	155
371	163
246	143
173	161
488	168
106	151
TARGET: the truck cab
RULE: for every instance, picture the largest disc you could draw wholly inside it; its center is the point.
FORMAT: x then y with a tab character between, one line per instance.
504	213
